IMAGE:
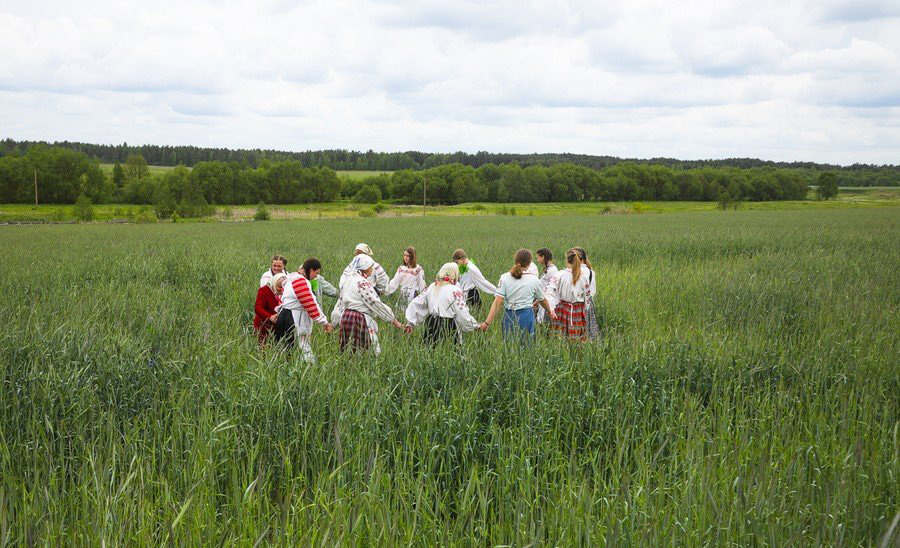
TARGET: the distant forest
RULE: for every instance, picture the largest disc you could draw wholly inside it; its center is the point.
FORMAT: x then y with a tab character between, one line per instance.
854	175
62	174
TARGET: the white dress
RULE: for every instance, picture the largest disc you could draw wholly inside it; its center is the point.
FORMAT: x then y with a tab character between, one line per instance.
408	281
550	273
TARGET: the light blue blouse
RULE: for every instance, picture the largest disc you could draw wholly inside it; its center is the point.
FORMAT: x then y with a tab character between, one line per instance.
521	293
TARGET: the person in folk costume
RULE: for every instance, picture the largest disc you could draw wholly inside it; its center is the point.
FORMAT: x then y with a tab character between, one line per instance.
279	263
360	306
268	297
570	290
409	280
471	280
517	291
545	258
300	310
590	313
442	308
378	277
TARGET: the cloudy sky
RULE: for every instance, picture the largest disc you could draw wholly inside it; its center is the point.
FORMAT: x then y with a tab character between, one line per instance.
814	80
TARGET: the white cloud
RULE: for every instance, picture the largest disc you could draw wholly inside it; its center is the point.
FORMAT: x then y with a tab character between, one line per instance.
700	79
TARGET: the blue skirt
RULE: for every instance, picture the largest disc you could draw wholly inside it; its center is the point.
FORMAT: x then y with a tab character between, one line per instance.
520	322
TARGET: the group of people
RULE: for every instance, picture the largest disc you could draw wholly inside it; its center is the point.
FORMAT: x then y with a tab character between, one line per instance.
289	304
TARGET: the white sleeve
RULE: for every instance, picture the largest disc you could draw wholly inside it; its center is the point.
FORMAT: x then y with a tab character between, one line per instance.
417	309
421	280
464	320
381	278
552	292
480	282
264	279
395	283
373	303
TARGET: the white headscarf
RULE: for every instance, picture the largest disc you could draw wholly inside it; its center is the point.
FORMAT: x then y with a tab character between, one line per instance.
364	248
275	279
362	262
448	274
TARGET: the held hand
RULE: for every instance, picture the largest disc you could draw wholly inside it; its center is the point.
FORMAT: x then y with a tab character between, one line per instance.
273	317
329	328
408	329
484	326
553	316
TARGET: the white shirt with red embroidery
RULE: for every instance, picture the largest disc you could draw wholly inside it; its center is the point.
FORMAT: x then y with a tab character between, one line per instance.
410	281
359	294
443	301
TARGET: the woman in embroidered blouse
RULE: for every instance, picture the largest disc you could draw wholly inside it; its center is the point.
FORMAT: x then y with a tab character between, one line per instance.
360	306
570	290
301	310
592	326
517	291
268	297
545	258
409	279
471	279
442	308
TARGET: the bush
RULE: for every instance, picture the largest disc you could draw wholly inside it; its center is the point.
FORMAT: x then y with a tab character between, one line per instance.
262	213
379	208
369	194
84	209
367	213
479	207
504	210
59	215
145	215
827	186
227	213
607	209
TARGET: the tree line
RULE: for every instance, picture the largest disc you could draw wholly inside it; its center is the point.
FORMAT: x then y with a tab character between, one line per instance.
63	175
854	175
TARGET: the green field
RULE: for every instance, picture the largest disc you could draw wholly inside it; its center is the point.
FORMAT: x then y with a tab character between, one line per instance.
745	393
848	198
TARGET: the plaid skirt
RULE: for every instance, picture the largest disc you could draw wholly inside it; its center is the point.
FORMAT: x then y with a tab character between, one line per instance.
570	320
354	330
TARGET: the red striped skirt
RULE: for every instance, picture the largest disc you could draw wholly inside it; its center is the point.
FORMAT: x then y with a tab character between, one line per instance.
570	320
354	330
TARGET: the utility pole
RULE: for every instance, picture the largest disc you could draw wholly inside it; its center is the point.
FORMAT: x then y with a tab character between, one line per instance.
35	186
424	190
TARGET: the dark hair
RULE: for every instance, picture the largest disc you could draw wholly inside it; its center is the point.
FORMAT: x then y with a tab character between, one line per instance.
280	258
412	256
546	254
309	265
459	254
523	259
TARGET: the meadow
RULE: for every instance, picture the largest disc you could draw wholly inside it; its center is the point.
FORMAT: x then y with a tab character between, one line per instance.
847	198
745	392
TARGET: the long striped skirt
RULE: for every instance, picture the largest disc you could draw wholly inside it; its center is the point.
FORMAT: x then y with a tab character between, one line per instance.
357	334
570	321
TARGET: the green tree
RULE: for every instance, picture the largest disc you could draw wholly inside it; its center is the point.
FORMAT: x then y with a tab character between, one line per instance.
369	194
135	168
827	186
84	209
118	177
164	203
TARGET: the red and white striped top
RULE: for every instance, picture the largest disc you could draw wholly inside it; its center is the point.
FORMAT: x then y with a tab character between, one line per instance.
299	295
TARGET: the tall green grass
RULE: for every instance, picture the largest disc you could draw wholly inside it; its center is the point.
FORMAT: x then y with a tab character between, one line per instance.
745	393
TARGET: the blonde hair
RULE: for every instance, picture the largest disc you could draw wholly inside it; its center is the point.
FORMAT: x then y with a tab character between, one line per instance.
582	254
574	258
522	260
